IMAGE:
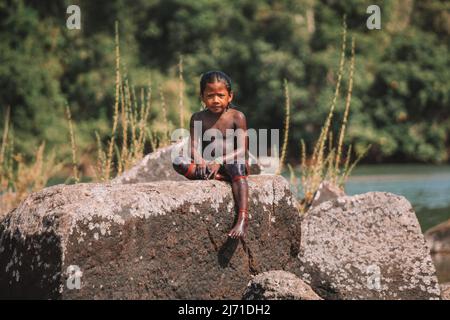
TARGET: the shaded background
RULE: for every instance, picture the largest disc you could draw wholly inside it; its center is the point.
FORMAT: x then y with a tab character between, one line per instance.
402	83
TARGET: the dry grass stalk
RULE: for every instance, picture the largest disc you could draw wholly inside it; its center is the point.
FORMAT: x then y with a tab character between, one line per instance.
318	153
107	172
286	127
181	91
73	145
347	107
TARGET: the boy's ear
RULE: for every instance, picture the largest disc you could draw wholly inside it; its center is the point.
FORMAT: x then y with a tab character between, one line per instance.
231	95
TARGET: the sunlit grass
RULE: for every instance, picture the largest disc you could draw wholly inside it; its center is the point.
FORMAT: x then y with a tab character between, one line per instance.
326	163
18	178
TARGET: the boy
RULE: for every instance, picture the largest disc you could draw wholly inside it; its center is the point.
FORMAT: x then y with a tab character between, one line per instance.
226	160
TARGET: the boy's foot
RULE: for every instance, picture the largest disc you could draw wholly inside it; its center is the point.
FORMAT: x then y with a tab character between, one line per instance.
240	228
222	177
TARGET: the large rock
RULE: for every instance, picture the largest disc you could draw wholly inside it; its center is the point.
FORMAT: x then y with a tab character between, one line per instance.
162	240
368	246
438	238
157	166
278	285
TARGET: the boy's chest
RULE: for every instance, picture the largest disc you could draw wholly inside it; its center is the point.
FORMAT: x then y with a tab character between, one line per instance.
222	124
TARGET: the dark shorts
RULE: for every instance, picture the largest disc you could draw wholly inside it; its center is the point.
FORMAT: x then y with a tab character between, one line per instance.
227	171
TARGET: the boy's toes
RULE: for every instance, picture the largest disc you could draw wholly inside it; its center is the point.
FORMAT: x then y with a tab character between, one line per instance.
232	234
236	234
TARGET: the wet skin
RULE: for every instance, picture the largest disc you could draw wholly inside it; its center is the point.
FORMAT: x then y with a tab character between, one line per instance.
218	116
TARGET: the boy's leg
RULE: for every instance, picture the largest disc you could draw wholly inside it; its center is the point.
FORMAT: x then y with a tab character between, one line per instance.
239	185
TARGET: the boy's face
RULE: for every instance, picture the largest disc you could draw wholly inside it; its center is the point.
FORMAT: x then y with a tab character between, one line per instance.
216	97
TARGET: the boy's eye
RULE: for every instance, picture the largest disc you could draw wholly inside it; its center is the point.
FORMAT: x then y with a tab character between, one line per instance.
210	96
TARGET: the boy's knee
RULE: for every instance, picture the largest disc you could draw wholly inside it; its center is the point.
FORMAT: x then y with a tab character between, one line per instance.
180	165
239	179
236	171
178	168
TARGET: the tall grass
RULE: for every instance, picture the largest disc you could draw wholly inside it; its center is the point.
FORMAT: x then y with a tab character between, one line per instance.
73	146
181	93
325	162
17	177
106	171
128	117
130	134
4	138
287	108
165	121
131	129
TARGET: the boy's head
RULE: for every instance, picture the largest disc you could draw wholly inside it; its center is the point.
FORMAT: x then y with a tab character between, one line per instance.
215	91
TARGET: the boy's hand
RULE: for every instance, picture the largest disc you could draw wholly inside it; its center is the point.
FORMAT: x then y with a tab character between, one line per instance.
213	168
202	168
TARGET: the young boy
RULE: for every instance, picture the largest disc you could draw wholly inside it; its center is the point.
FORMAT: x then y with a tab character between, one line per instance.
228	158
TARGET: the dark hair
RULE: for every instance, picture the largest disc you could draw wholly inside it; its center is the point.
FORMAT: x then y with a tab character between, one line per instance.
214	76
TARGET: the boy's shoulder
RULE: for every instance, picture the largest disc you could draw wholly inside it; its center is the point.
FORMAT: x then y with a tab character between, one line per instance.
234	112
198	114
237	114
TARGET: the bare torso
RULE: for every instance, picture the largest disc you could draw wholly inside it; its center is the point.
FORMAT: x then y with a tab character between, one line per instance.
225	123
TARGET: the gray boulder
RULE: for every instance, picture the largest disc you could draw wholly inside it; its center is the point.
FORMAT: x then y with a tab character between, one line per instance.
161	240
368	246
278	285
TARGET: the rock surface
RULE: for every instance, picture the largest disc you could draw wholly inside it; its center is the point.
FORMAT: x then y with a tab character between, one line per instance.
278	285
438	238
368	246
161	240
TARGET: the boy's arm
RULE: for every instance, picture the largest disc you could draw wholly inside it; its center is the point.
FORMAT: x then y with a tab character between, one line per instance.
195	154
